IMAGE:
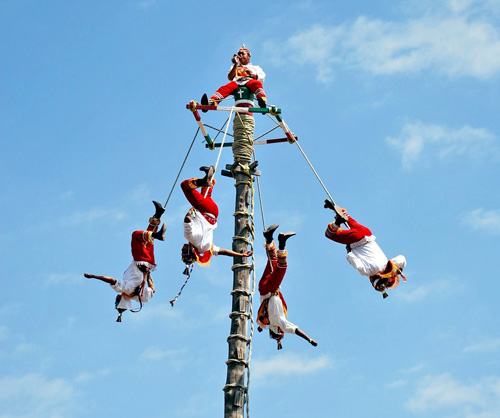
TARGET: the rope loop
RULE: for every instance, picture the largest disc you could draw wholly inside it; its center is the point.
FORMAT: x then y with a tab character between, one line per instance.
238	336
234	360
235	386
242	266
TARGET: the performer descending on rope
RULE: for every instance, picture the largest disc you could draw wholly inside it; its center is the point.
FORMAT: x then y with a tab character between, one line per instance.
201	220
137	283
242	73
273	309
363	253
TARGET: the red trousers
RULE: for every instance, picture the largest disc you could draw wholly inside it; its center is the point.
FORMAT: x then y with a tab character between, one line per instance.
348	236
254	85
271	280
198	200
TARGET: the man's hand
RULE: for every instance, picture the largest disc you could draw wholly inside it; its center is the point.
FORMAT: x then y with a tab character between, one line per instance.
252	74
235	59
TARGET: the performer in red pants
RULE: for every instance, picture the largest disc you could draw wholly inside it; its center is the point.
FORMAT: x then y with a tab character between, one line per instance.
136	282
201	220
242	73
363	253
273	308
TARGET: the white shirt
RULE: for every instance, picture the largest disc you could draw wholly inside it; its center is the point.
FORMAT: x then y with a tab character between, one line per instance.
367	257
132	277
277	316
200	232
261	75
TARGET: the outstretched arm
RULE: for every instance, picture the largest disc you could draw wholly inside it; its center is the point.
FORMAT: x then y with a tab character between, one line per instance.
231	253
105	279
306	337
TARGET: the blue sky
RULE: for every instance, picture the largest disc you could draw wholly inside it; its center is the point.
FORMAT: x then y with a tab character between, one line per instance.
395	104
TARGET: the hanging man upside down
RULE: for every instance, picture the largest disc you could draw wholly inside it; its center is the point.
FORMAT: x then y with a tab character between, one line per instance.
201	220
137	283
242	73
273	310
363	253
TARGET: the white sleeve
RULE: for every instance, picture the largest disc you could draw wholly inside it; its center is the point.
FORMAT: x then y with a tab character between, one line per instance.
215	250
357	263
260	73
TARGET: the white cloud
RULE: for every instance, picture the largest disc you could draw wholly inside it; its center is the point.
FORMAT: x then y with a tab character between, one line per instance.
87	376
23	348
441	287
316	46
459	41
486	346
414	369
142	193
154	311
91	216
156	353
287	364
176	358
397	384
471	7
445	394
418	138
195	406
57	278
484	220
416	295
68	195
145	4
35	396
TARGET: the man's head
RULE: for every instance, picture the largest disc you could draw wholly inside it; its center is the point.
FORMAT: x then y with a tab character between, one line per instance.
244	55
187	254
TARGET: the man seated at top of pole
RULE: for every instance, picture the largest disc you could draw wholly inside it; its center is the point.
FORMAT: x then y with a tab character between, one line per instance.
242	73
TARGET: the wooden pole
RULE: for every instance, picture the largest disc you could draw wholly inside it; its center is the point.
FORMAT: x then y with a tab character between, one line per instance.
235	390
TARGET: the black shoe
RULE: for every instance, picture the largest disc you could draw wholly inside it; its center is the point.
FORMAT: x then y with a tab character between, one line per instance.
160	235
329	204
159	210
209	174
268	233
340	217
282	237
204	102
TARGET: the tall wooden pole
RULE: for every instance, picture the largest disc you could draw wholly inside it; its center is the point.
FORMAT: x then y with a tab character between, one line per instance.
235	390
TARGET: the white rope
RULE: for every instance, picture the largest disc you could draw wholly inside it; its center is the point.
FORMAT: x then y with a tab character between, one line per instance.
182	166
221	147
314	171
307	159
